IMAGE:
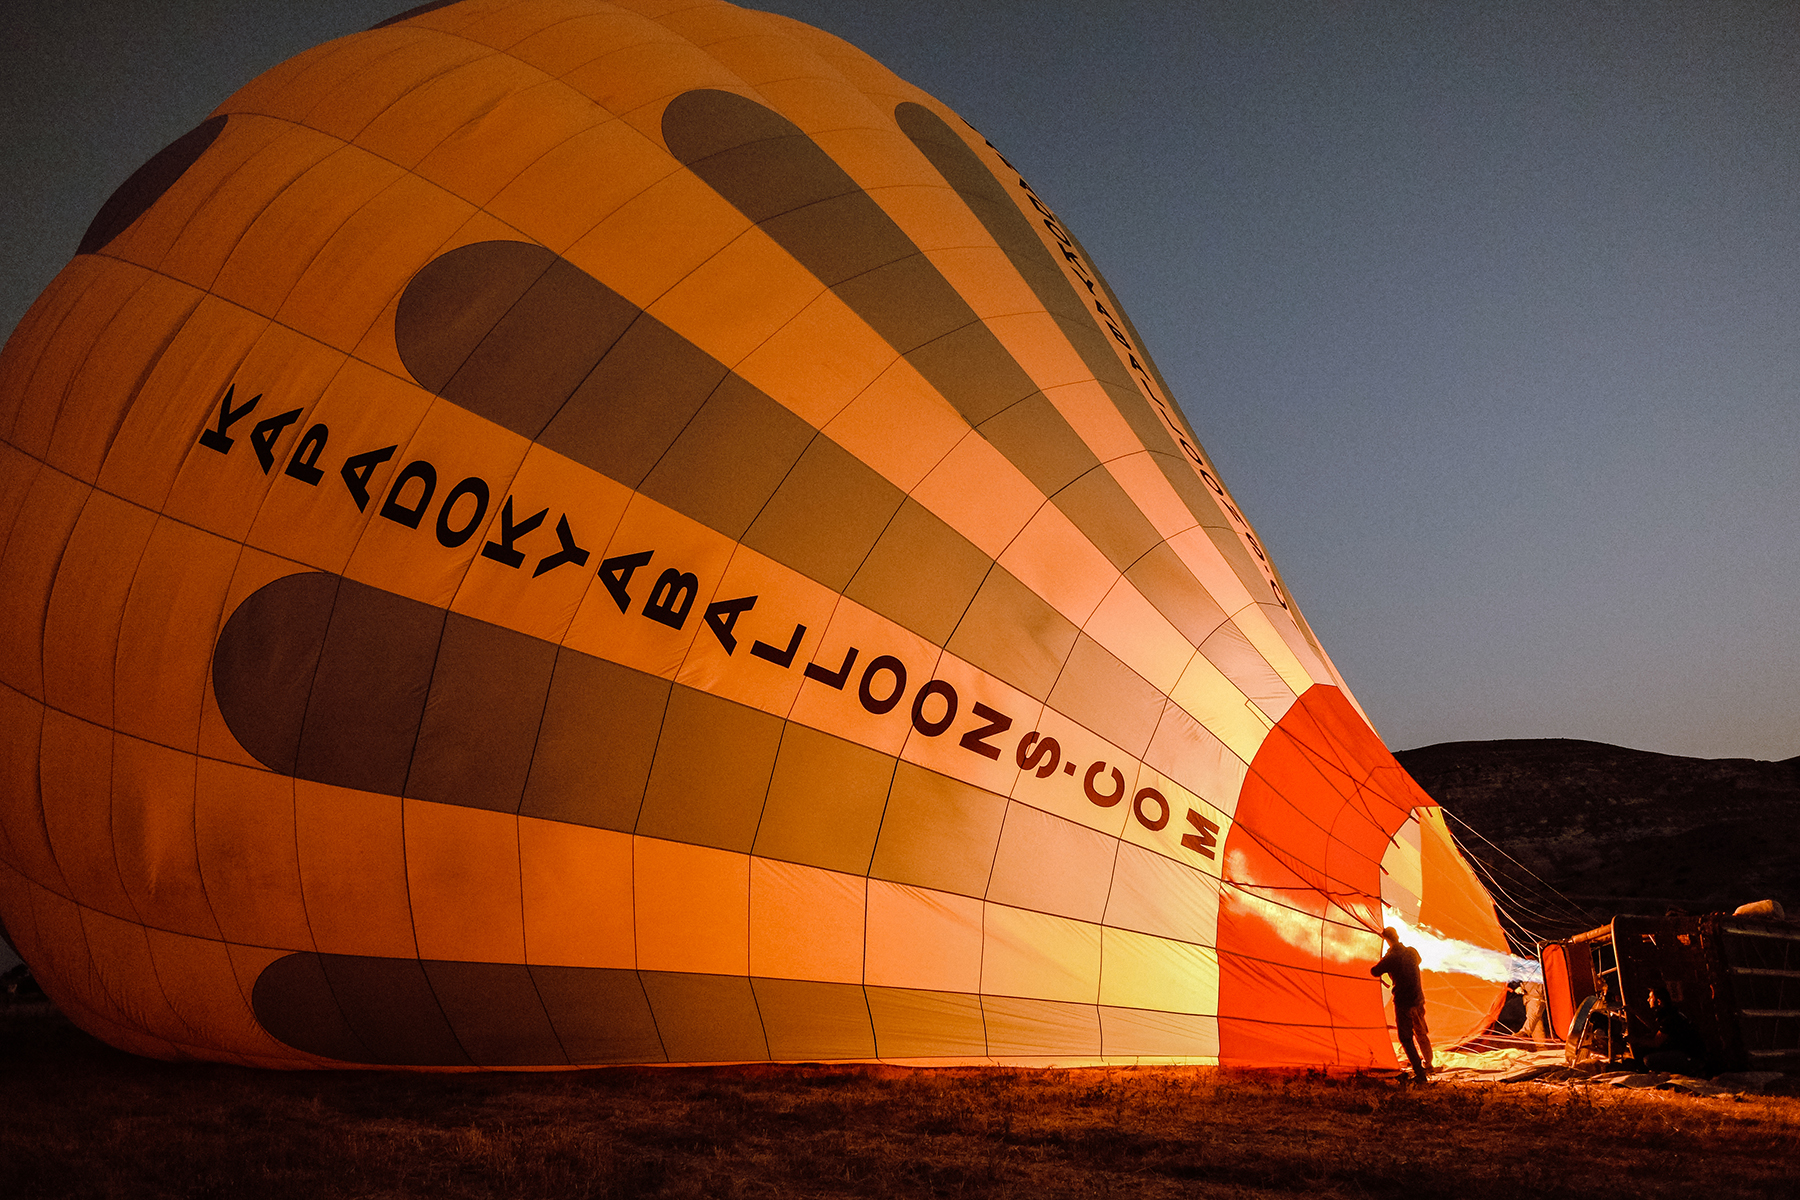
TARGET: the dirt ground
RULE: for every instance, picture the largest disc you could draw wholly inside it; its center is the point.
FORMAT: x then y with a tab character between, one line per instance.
79	1119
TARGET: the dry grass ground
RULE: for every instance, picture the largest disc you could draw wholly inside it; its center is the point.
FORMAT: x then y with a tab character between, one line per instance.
78	1119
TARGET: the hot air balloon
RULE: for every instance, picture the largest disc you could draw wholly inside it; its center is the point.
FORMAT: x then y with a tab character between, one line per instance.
553	532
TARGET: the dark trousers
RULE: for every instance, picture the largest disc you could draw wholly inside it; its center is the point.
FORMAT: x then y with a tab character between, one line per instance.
1415	1039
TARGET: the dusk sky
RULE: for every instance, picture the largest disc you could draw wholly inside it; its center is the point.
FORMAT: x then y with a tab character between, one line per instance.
1486	311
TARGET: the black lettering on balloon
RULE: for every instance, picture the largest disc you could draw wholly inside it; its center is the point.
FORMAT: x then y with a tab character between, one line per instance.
450	537
1206	837
217	438
1040	754
264	434
394	509
570	552
1153	824
671	598
1103	799
721	617
358	468
976	739
303	466
937	687
616	572
833	679
503	551
866	690
780	657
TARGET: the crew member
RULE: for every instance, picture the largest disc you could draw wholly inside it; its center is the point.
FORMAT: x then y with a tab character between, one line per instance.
1401	965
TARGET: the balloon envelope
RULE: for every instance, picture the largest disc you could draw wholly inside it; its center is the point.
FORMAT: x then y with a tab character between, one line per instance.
554	533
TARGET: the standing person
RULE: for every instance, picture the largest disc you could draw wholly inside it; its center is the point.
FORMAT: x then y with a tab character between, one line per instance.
1537	1025
1401	965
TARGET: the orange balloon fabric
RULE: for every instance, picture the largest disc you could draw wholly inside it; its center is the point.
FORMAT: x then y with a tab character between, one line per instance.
556	533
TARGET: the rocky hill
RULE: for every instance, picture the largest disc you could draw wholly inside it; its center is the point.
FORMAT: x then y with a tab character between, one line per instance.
1616	830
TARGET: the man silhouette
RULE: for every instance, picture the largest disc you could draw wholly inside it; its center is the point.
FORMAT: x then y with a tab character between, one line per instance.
1401	965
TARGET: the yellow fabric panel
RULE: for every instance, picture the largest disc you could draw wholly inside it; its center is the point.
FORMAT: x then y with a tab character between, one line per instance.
1037	340
81	626
503	25
1140	971
784	599
658	71
1081	400
896	399
1028	1032
1039	955
945	753
352	853
576	184
545	605
1051	865
202	988
939	223
1149	489
291	89
658	237
735	300
805	923
209	237
822	106
562	47
150	238
1157	895
153	837
165	639
1142	638
922	939
411	562
127	975
22	827
484	155
1169	1037
67	353
368	260
1179	799
705	24
854	130
75	766
1186	750
602	630
1202	557
459	103
1255	624
1054	559
693	908
980	494
363	408
168	410
577	895
279	245
1216	703
222	495
409	59
27	350
462	873
248	864
927	1027
839	712
1288	626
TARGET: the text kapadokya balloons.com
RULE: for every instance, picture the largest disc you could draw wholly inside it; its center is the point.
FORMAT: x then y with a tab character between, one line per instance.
563	533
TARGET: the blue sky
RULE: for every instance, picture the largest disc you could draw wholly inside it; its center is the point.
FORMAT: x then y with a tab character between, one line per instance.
1486	311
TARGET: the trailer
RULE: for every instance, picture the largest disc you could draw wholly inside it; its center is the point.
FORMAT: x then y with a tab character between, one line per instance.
1735	978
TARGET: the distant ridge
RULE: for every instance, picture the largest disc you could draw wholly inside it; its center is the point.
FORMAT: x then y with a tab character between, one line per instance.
1618	830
